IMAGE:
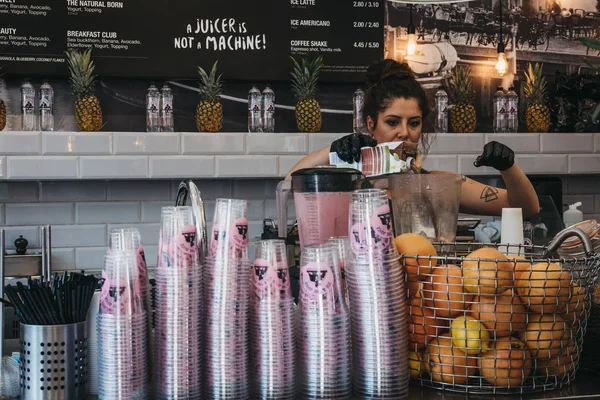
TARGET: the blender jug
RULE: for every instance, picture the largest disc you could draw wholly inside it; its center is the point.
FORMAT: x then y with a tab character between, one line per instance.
426	204
322	200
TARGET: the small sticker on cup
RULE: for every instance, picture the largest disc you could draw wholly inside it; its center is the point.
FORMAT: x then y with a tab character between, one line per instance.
264	277
317	284
381	227
358	239
239	233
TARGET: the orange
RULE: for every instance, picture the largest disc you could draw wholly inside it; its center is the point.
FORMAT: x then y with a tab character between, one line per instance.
422	326
412	244
575	308
501	314
449	364
545	335
487	277
444	291
520	267
545	289
507	363
415	289
562	364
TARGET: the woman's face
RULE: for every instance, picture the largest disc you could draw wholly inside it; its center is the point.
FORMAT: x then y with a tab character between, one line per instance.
401	121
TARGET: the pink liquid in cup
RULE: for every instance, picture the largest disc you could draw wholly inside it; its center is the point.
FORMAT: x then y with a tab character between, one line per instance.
321	216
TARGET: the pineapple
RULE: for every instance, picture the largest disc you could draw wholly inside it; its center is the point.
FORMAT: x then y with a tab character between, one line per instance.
209	113
462	115
88	113
537	114
305	77
2	113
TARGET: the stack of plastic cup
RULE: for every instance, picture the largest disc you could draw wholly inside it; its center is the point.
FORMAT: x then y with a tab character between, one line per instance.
342	245
324	343
227	295
272	338
130	239
122	331
178	325
376	288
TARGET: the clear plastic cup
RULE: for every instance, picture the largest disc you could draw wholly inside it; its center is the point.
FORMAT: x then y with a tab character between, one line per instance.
121	291
321	278
178	246
271	324
377	294
229	235
270	276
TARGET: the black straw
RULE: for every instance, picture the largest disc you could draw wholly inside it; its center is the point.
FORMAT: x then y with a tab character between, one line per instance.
64	299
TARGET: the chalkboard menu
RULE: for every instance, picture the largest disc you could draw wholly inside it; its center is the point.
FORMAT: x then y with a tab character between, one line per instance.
252	39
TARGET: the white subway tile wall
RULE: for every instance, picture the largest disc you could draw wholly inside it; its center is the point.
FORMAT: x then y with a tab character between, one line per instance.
82	213
133	156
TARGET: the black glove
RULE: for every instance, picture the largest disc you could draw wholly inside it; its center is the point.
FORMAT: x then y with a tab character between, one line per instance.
496	155
348	147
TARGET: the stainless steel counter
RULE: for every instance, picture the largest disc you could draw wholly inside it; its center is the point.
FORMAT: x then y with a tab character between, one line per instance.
584	387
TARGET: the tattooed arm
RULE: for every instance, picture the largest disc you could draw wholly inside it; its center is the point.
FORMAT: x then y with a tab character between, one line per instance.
479	199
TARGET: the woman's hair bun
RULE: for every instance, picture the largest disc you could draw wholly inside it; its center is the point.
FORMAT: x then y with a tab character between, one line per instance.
388	69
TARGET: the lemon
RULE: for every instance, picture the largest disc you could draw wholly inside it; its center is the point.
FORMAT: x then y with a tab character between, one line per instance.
415	365
469	335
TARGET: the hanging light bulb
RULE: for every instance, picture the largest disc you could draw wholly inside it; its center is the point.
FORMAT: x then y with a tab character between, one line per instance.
502	62
411	45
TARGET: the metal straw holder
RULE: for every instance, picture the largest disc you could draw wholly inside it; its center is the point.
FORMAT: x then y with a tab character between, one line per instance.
54	361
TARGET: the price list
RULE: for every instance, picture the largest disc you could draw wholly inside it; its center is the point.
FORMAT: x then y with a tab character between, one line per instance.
171	38
348	34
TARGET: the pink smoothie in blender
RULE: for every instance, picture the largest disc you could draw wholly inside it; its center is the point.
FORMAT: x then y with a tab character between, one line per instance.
322	199
321	216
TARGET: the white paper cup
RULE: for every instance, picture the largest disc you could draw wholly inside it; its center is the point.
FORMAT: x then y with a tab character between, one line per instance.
512	231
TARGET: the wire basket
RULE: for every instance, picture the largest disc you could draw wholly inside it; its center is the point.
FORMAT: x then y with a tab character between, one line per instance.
495	324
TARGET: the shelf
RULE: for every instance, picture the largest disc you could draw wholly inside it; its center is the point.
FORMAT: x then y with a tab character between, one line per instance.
131	155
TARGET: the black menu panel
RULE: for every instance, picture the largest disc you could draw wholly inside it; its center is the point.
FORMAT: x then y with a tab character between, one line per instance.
252	39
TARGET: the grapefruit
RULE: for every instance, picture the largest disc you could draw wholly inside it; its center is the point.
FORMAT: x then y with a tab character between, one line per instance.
545	335
561	365
508	363
449	364
545	289
414	289
487	277
575	309
422	326
501	314
519	267
444	291
412	244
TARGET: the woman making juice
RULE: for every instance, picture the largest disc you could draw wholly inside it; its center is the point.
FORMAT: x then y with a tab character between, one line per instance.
394	108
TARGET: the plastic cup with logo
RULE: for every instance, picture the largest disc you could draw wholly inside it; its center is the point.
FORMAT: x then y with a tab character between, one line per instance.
271	326
324	326
229	235
122	330
227	289
376	289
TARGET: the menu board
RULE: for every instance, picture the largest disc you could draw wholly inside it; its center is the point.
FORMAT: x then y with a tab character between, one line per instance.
251	39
